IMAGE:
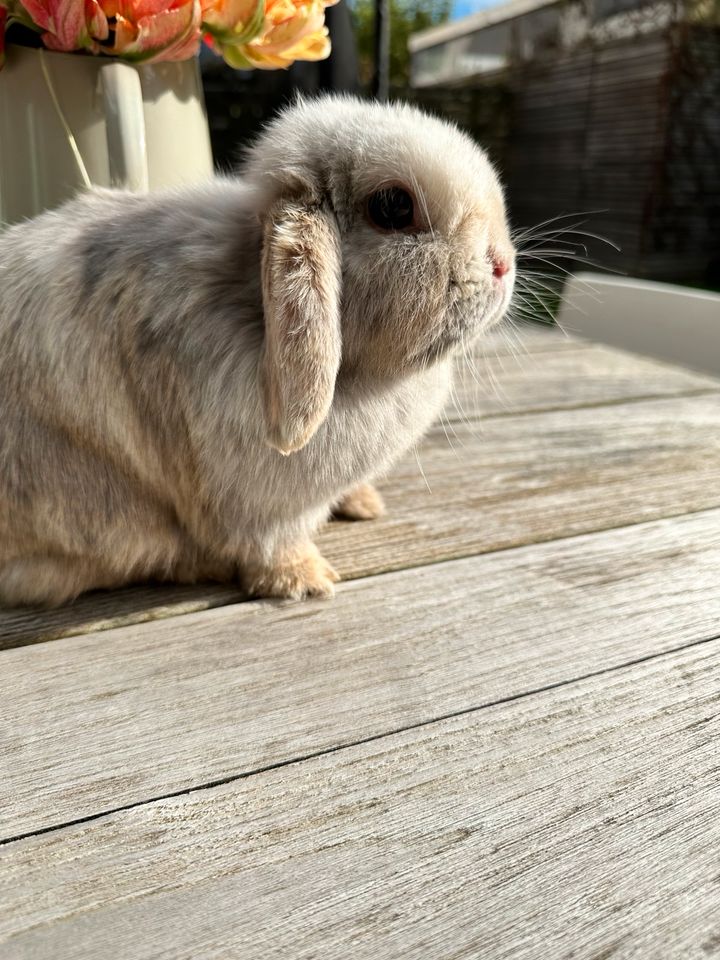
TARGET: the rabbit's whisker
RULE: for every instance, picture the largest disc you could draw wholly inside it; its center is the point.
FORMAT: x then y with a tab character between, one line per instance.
519	235
570	231
423	202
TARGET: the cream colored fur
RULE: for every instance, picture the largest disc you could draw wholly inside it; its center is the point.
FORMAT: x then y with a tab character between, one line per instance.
189	381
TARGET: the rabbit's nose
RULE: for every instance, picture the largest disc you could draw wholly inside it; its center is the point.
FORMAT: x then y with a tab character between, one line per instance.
501	266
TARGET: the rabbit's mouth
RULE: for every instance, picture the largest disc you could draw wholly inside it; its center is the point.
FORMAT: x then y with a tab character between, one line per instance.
472	309
463	322
469	315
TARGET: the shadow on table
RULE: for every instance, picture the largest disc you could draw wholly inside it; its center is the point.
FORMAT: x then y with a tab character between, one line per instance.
106	609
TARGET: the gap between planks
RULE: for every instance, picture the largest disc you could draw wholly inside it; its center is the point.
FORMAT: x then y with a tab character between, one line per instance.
579	822
293	761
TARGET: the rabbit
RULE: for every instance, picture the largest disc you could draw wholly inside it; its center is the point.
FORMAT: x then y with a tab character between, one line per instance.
192	380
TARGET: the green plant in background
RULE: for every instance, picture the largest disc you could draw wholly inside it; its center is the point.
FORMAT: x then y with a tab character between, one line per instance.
703	11
406	17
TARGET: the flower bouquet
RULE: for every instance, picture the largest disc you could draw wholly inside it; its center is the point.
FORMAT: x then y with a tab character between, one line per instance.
109	92
268	34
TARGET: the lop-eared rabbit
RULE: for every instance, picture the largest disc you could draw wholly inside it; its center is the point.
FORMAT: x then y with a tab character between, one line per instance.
190	381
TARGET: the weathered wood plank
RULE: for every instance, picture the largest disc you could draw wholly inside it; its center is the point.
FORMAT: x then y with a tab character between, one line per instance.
97	722
564	379
487	485
526	479
579	822
105	610
108	609
521	338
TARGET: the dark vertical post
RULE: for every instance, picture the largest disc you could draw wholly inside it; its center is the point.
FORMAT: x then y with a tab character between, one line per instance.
381	80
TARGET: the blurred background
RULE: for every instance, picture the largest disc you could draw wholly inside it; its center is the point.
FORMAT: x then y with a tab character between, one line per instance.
604	111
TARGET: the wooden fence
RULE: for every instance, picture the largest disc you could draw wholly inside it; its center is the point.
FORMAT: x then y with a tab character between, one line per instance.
629	130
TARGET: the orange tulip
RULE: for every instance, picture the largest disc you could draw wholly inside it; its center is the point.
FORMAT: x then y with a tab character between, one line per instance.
288	30
135	30
68	24
154	30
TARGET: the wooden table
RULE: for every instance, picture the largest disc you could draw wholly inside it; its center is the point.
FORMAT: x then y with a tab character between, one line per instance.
500	740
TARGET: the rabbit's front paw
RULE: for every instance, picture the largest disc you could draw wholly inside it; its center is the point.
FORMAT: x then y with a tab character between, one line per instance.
363	502
295	573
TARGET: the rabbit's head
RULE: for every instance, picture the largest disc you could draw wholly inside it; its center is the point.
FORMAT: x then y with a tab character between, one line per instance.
385	247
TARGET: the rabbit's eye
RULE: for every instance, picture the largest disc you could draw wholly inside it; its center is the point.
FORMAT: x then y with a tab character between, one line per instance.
391	209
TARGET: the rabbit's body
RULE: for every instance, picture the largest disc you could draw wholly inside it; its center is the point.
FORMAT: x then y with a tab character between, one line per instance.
117	465
137	393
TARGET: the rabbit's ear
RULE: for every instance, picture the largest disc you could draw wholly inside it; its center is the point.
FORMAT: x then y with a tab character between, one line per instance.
301	273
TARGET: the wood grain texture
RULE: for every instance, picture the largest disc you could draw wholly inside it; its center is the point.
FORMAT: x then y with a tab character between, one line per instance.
586	376
108	609
521	338
515	480
542	376
580	822
478	487
98	722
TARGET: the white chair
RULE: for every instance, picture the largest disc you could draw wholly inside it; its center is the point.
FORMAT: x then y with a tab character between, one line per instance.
659	319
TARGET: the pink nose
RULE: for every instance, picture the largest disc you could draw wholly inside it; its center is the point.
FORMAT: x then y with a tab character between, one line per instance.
501	267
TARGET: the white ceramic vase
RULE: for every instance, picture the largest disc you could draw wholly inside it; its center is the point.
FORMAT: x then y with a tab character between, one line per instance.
67	120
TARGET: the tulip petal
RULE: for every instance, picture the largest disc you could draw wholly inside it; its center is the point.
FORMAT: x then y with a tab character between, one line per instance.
235	57
170	35
291	32
235	21
40	15
316	46
96	20
187	45
136	10
125	35
64	20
